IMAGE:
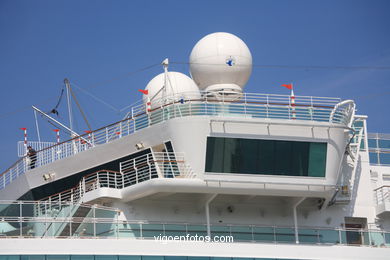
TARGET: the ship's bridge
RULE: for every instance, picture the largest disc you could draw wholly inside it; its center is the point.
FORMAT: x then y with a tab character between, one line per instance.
250	143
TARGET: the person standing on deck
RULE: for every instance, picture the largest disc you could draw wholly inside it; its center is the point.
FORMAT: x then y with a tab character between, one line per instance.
32	154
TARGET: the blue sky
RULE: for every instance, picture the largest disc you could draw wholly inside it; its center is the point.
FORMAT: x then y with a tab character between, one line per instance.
97	44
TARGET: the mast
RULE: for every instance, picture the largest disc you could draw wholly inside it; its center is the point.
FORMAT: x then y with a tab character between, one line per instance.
68	93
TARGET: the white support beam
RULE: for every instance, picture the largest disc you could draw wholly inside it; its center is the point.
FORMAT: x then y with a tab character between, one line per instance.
295	205
208	213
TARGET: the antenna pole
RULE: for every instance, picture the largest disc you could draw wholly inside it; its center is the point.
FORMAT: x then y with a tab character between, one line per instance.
68	93
165	64
36	124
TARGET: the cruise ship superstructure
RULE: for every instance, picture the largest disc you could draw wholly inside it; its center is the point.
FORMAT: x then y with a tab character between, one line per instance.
270	176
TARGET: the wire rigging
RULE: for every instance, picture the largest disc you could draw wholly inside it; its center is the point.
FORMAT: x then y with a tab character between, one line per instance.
131	73
95	97
294	66
80	109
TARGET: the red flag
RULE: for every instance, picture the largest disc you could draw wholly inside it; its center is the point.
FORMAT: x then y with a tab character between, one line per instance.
145	92
289	86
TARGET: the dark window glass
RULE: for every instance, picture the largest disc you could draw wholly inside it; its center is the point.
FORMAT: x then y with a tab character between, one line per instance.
300	158
215	148
283	150
317	159
272	157
249	161
231	155
266	155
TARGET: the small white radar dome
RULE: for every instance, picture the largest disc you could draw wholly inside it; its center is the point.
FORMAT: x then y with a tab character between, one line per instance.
221	62
179	87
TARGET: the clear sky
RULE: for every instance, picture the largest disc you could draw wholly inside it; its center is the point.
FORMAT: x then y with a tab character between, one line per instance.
98	44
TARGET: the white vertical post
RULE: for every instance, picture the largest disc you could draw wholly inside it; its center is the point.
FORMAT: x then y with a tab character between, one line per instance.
296	220
94	220
340	237
20	219
208	213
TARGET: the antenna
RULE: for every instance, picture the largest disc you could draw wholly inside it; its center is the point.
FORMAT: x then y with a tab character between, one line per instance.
165	64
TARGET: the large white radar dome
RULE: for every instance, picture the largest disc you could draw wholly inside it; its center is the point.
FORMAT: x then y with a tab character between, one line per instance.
179	87
221	62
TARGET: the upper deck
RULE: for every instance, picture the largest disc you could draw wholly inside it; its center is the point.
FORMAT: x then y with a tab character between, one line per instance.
304	109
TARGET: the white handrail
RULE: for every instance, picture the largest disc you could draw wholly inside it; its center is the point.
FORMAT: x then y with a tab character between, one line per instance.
133	171
348	111
254	105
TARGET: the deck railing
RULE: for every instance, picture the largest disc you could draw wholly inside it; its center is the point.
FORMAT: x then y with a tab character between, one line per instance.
246	105
65	220
133	171
382	194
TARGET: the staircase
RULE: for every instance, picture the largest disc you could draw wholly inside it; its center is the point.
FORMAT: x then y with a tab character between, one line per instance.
77	219
346	181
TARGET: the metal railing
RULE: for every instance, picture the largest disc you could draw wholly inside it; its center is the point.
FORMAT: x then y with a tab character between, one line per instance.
173	165
22	149
103	178
245	105
65	220
382	194
133	171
